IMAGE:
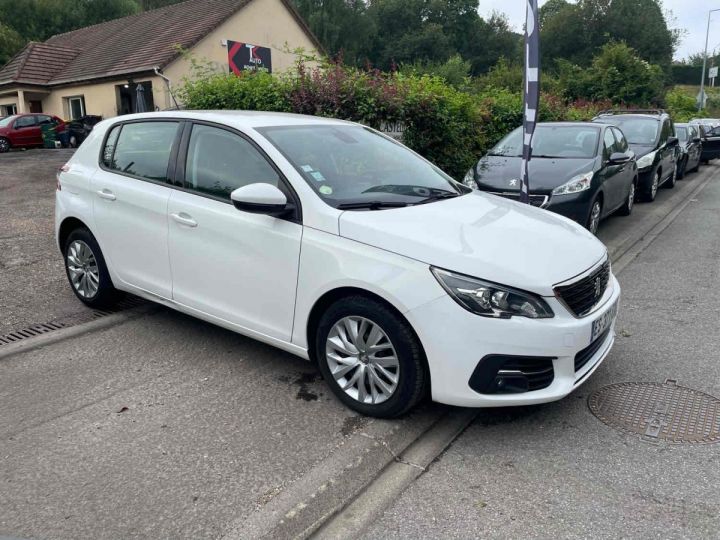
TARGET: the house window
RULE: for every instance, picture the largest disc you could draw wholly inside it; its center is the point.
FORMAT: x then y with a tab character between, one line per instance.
76	107
9	110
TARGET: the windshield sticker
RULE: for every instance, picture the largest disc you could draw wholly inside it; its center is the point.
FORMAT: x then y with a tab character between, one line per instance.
306	168
317	175
326	190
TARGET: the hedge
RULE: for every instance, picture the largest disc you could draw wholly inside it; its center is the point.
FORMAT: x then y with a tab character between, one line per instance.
449	127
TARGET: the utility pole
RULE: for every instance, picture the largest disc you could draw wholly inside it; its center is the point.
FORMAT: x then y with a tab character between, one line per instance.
701	97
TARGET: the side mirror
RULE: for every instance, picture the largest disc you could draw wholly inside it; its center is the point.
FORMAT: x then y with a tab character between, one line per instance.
673	141
261	198
618	158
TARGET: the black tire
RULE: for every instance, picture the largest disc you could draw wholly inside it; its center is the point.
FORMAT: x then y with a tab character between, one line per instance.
649	194
4	145
671	182
106	294
73	142
627	208
594	216
681	168
412	376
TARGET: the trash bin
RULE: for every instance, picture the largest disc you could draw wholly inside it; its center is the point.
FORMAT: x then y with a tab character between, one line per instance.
48	135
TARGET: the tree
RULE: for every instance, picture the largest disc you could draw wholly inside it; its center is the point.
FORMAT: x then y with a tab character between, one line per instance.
10	43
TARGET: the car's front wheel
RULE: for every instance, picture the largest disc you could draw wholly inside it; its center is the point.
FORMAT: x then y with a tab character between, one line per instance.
593	221
86	270
4	145
670	182
682	168
627	207
651	190
370	357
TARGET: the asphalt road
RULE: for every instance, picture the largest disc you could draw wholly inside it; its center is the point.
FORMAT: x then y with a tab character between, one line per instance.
555	471
167	427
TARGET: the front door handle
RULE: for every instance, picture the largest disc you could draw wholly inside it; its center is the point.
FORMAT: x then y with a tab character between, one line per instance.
106	194
184	219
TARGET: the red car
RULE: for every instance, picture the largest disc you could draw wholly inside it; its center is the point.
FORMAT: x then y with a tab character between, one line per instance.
25	130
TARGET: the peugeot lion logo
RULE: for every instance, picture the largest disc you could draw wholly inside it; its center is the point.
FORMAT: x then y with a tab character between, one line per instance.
513	182
598	287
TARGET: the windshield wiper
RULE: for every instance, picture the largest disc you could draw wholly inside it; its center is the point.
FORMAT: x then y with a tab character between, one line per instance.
439	196
371	205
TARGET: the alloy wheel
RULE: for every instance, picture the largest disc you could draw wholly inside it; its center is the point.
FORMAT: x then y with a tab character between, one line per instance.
362	360
594	222
631	196
83	269
655	185
4	145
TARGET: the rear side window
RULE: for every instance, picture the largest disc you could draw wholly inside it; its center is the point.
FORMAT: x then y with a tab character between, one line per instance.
25	121
143	149
219	162
109	148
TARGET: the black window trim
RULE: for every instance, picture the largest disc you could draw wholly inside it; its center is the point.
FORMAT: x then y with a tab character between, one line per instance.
173	149
181	163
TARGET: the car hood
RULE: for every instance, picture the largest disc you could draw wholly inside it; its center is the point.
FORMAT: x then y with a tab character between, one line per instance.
495	173
484	236
641	149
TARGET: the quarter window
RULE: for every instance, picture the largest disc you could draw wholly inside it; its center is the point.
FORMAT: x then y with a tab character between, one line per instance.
109	148
219	162
143	149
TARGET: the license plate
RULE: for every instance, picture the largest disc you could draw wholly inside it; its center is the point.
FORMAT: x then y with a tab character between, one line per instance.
603	322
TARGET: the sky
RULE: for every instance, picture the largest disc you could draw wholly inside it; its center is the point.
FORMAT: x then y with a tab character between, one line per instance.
689	15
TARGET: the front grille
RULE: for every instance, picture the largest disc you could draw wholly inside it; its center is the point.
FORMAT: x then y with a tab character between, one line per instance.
500	374
584	356
535	200
582	296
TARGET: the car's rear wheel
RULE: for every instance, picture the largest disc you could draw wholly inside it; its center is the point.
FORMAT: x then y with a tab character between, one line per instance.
627	207
593	221
86	270
4	145
370	357
651	190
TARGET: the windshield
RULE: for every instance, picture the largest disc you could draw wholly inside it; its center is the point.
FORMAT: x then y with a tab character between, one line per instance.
552	142
6	121
637	130
681	133
348	165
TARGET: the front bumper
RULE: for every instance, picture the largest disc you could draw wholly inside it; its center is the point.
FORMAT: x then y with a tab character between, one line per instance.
455	341
575	206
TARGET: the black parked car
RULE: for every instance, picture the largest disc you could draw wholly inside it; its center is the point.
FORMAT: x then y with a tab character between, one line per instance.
651	135
80	128
710	136
690	148
581	170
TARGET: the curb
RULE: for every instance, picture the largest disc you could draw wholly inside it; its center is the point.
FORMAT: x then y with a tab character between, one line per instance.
74	331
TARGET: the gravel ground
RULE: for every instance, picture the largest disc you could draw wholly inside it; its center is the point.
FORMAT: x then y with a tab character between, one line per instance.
33	286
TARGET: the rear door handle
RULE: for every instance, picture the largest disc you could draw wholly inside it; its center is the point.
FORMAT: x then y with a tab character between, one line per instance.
106	194
184	219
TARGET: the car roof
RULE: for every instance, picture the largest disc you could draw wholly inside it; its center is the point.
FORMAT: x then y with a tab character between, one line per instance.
566	124
634	115
240	119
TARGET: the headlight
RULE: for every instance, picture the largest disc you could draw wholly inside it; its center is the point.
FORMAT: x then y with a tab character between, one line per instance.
579	183
646	160
490	299
469	179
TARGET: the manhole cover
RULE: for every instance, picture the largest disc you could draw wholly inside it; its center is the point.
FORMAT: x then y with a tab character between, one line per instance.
659	411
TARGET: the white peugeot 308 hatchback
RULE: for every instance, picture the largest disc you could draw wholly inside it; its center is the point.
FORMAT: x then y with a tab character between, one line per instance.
336	243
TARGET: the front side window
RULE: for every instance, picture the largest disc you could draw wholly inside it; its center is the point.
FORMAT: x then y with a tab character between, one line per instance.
347	164
608	143
682	133
25	121
666	131
622	144
550	141
143	149
220	161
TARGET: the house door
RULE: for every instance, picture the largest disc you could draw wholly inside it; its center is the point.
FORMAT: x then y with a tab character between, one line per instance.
35	106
